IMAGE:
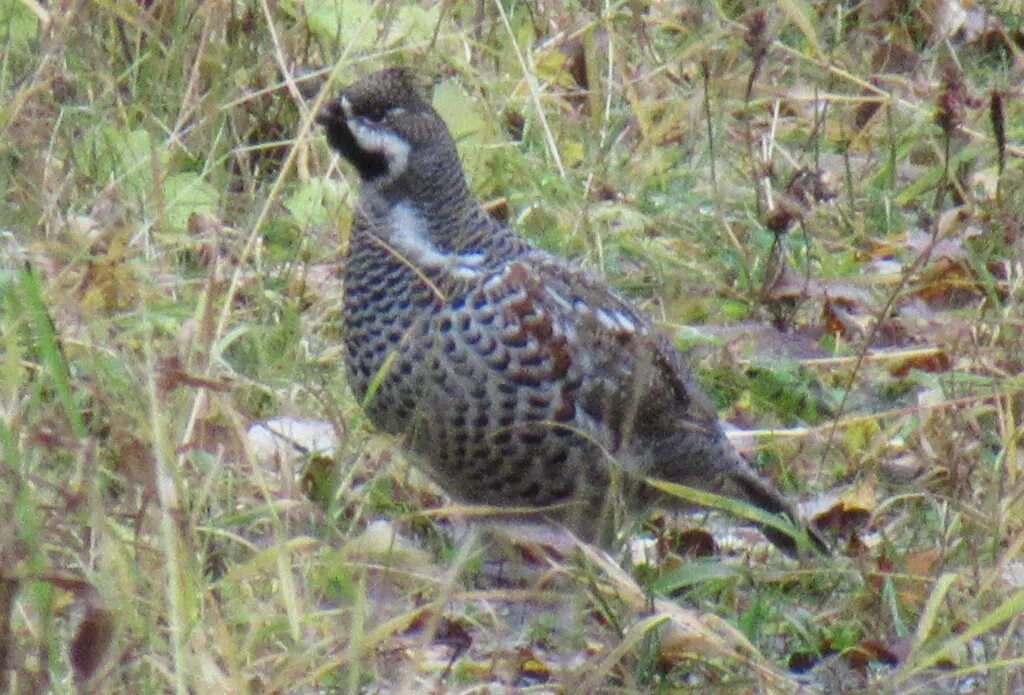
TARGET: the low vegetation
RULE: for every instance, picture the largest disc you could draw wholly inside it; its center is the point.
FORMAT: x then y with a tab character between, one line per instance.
823	202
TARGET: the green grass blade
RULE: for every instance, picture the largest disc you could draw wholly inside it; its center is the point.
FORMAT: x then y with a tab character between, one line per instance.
49	350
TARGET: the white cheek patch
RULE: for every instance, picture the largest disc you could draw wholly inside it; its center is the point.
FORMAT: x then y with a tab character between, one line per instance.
409	237
394	148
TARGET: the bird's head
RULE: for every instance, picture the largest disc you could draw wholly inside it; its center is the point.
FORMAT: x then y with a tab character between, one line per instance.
384	125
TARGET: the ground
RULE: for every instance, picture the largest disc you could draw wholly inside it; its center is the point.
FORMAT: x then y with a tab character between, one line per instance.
822	202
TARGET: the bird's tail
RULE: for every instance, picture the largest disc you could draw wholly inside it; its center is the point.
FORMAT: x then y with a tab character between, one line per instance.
701	456
762	494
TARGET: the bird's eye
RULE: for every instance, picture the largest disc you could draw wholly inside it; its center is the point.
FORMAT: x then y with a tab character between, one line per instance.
375	113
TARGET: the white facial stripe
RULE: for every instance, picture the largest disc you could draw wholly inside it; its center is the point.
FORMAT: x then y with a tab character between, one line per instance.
409	238
394	148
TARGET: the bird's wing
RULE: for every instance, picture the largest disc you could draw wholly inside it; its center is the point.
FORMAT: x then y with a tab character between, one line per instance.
556	324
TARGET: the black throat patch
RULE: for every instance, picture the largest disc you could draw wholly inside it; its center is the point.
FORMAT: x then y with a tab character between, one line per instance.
369	164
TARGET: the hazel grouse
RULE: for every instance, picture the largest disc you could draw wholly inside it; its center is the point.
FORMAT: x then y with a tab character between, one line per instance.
519	379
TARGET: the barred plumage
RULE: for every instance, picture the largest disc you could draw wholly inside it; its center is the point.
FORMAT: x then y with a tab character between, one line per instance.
519	379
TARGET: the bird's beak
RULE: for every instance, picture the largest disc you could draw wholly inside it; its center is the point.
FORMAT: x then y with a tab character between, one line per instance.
334	112
330	113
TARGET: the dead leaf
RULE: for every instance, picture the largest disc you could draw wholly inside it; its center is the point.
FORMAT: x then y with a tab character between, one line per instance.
91	642
532	671
869	651
850	513
810	187
687	543
927	361
921	562
840	321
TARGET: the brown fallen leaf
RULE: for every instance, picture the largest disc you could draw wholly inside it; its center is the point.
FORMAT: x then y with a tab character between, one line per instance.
91	642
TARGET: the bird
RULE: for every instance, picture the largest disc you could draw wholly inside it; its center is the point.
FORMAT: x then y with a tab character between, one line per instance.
518	379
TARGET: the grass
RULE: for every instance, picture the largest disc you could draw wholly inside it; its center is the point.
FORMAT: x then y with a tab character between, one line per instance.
170	233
